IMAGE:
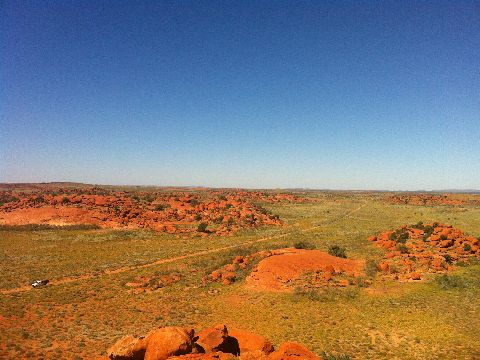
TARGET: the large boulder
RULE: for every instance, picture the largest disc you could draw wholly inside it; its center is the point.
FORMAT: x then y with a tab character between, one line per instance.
217	339
128	348
165	342
292	350
249	342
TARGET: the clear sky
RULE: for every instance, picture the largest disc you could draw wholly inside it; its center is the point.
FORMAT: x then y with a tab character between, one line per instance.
341	95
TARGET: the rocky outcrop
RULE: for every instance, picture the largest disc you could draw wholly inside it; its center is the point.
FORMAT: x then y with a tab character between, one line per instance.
212	343
187	213
415	250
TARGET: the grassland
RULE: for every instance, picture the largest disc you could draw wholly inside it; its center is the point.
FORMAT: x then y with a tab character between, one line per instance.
431	319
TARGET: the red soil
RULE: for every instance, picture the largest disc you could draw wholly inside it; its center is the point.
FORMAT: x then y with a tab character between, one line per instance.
412	251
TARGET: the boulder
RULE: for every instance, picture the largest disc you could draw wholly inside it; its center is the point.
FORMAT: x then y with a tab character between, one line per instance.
292	350
249	342
128	348
217	339
165	342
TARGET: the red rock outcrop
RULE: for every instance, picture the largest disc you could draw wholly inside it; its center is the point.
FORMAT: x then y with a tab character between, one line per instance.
211	343
434	199
223	213
412	251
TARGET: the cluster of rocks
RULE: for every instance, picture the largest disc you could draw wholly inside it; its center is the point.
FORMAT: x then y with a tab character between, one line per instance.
148	284
198	214
289	268
229	273
412	251
432	200
212	343
329	277
272	198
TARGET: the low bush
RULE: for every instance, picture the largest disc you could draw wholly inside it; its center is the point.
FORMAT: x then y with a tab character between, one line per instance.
161	207
202	227
304	245
327	356
449	282
371	268
337	251
402	248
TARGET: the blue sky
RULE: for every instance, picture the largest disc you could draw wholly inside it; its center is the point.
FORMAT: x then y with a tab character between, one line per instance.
265	94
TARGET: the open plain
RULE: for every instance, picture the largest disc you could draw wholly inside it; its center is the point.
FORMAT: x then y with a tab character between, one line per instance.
111	281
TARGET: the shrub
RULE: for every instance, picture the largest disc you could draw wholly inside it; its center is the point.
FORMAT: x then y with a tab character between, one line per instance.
202	227
326	356
5	198
39	199
371	268
304	245
467	247
160	207
198	217
402	248
443	237
222	197
193	202
448	259
148	198
427	232
449	282
337	251
399	235
65	200
418	225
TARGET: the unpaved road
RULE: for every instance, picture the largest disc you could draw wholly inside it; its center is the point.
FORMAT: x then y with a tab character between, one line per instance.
67	280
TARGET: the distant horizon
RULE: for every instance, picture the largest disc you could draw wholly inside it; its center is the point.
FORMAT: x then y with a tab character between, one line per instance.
459	191
251	94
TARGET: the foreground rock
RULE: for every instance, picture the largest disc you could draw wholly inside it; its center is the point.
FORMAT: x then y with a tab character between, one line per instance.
211	343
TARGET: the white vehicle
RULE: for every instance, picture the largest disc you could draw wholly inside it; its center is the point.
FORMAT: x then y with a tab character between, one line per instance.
39	283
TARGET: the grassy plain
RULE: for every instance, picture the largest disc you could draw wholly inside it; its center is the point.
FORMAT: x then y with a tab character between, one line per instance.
81	317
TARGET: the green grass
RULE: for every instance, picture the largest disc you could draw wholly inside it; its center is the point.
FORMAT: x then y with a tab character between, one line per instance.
433	319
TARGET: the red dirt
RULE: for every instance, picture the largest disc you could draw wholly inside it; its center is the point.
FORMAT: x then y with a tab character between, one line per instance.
224	212
280	271
412	251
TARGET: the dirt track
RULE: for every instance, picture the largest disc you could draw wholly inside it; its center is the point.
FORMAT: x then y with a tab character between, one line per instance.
67	280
